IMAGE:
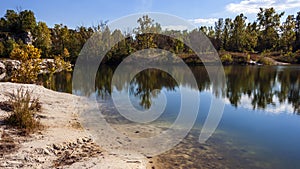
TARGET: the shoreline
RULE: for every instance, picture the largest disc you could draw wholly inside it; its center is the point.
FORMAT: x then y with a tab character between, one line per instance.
63	143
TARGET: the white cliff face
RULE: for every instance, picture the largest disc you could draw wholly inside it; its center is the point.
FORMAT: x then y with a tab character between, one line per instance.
7	66
2	71
28	38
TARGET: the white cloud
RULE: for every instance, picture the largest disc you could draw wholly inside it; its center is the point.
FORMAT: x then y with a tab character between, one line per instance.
175	27
207	21
252	6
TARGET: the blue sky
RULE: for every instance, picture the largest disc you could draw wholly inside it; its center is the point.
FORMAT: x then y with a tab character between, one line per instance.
75	13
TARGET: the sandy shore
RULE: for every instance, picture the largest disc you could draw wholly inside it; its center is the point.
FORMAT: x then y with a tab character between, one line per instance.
63	143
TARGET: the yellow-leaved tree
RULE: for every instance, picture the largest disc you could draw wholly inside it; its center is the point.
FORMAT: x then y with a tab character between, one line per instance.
30	65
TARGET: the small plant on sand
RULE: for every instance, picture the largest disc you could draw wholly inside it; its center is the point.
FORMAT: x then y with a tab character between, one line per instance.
24	109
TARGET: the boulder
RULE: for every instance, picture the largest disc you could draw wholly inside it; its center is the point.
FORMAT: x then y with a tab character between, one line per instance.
12	65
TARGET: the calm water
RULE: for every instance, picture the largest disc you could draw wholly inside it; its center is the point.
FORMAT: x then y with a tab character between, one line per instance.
260	127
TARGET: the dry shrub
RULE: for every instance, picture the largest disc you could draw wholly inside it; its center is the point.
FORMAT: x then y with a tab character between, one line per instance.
24	110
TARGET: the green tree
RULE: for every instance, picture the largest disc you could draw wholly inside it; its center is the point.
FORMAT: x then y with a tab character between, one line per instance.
120	48
27	20
269	25
227	30
204	30
297	31
251	36
237	40
18	22
42	38
219	33
8	47
288	36
11	21
2	49
144	37
60	39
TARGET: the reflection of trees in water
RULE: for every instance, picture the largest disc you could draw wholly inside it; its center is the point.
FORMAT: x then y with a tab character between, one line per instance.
263	85
149	83
59	82
290	87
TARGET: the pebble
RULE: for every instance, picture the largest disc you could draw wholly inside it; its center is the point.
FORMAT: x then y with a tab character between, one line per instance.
80	141
14	162
46	151
28	159
220	158
40	160
57	146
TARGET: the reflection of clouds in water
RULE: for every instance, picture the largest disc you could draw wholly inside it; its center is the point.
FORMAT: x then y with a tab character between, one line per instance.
276	108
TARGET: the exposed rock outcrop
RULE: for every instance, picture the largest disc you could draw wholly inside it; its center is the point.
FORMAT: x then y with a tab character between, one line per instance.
2	71
7	66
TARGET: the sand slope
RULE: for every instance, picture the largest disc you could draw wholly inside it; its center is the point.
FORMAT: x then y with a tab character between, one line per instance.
63	143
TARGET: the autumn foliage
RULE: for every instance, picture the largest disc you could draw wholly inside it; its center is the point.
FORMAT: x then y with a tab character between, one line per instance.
30	61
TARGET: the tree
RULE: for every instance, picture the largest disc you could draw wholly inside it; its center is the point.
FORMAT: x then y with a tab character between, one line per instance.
42	38
143	33
119	48
269	25
11	21
60	39
8	47
237	40
251	36
29	56
18	22
288	36
297	32
219	33
2	49
227	33
27	20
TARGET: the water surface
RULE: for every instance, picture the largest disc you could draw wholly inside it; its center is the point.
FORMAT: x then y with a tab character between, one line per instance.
260	127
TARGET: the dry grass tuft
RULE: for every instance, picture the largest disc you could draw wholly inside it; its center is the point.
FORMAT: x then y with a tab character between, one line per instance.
24	109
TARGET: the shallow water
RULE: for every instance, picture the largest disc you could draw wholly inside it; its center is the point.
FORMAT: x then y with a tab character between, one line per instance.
260	126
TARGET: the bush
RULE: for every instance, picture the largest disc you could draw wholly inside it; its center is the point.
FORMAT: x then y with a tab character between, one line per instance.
60	64
227	59
266	61
29	56
24	108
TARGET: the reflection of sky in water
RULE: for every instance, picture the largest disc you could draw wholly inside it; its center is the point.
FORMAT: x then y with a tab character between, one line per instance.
275	108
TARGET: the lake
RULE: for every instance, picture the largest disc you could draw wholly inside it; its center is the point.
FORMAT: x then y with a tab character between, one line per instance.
260	126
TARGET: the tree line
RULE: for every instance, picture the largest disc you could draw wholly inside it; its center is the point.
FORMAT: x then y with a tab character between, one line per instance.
264	35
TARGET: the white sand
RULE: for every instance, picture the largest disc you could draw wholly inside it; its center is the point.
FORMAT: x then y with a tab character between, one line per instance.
62	127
